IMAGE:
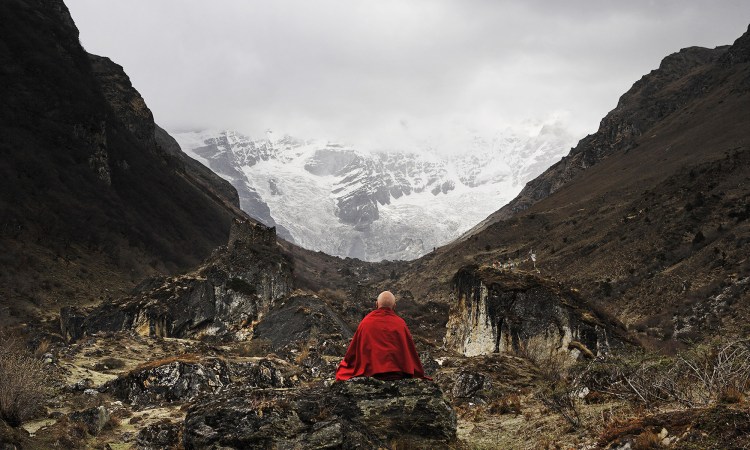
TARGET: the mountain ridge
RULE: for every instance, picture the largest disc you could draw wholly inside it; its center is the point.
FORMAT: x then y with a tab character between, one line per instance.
380	205
84	183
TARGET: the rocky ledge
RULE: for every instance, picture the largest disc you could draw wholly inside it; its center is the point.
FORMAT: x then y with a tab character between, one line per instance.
362	413
182	379
222	298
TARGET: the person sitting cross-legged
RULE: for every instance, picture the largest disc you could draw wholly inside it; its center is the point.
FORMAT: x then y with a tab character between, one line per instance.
382	347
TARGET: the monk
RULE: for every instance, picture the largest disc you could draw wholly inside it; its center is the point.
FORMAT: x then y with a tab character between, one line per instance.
382	346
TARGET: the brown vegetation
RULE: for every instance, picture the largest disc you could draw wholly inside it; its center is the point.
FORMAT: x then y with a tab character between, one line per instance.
22	382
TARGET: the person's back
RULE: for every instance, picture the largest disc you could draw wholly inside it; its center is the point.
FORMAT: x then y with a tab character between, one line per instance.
382	347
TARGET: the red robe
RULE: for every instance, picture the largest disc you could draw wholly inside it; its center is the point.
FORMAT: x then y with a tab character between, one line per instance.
381	345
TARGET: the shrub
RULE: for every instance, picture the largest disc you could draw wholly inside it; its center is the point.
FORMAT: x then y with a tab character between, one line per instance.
22	382
708	373
647	440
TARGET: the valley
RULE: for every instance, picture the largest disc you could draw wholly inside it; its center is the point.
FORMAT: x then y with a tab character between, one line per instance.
149	302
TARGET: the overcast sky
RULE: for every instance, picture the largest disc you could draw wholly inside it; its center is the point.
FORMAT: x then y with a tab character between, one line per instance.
380	70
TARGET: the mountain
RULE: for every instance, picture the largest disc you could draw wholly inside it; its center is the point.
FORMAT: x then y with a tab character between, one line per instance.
93	195
647	217
373	206
535	326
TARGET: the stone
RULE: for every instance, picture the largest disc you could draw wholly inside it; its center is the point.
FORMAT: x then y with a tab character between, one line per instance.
94	419
411	408
264	373
168	381
304	318
159	436
82	385
522	313
468	384
361	413
234	288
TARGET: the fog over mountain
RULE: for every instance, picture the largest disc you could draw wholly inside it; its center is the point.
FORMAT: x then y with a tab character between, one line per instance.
379	74
396	204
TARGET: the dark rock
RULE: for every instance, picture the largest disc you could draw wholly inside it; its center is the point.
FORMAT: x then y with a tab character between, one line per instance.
429	363
177	380
159	436
235	287
264	373
304	328
362	413
302	319
468	384
410	408
94	419
82	385
501	311
72	323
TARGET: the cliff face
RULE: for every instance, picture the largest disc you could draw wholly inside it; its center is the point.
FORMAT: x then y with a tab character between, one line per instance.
135	115
504	312
83	177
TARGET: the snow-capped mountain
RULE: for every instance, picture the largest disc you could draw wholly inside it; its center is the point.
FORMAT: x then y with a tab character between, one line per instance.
374	205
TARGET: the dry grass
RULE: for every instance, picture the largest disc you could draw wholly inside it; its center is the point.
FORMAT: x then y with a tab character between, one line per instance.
647	440
255	347
22	382
188	358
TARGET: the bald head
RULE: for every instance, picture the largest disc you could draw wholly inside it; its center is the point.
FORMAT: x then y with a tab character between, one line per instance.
386	300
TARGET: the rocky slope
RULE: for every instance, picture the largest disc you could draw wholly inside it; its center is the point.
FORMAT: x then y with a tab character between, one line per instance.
374	206
647	216
88	191
520	324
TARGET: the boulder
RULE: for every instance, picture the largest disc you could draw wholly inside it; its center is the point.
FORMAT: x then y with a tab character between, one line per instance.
171	380
159	436
264	373
304	318
522	313
411	409
468	384
94	419
305	329
361	413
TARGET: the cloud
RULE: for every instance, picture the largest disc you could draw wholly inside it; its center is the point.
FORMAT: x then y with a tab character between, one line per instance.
385	70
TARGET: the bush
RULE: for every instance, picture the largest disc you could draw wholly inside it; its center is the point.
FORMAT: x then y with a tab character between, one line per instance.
22	382
706	374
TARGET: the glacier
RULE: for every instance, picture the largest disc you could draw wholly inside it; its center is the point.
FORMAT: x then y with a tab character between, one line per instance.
374	205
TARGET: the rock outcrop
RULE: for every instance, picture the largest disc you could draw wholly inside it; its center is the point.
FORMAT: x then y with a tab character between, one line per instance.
362	413
159	436
93	419
305	329
303	318
498	311
234	288
178	380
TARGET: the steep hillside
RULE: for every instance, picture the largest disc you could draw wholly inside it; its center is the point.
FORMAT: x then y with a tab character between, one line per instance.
648	216
92	195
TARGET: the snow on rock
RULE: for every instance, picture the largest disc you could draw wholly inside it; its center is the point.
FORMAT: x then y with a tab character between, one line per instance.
374	205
